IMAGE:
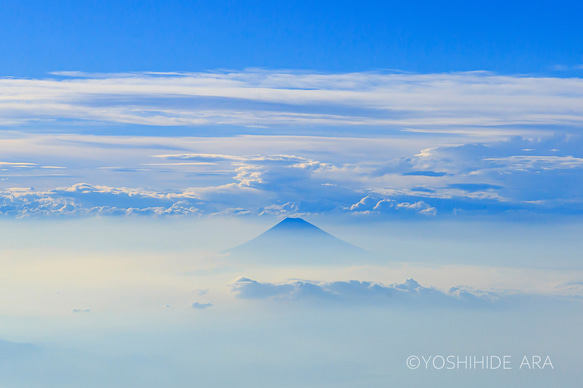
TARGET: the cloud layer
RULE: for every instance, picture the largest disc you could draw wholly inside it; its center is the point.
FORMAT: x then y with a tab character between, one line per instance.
421	102
363	144
509	177
409	293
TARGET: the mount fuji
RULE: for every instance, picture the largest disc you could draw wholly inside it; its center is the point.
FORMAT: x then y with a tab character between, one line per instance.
295	240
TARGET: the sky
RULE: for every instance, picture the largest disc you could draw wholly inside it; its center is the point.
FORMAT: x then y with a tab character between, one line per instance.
382	109
518	37
141	140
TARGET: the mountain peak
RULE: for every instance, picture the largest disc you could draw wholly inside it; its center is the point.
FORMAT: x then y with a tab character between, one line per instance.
295	224
296	240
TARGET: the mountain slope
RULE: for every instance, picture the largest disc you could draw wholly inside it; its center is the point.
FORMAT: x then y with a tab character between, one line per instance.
295	240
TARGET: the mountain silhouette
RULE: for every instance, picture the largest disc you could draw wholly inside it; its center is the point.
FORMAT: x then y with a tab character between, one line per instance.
295	240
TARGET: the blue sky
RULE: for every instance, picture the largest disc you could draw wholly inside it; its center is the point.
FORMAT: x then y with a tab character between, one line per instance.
516	37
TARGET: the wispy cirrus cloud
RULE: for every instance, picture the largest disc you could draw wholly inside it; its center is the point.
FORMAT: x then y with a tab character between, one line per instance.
467	102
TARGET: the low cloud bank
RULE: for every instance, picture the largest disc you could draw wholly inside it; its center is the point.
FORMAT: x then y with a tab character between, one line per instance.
358	292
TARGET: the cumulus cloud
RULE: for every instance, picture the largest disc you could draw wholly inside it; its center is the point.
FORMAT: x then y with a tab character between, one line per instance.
84	199
516	175
371	205
358	292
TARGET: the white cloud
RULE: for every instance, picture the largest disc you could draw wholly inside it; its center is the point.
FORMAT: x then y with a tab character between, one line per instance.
85	199
272	175
408	293
543	162
359	292
370	205
451	102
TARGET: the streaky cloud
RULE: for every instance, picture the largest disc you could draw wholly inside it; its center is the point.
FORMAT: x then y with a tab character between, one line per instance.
470	102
